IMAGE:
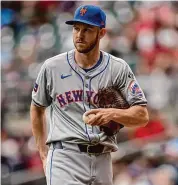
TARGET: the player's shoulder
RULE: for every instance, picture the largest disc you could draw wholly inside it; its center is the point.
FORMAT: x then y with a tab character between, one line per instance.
56	60
116	61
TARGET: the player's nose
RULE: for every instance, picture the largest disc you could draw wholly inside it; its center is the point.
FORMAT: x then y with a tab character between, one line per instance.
80	34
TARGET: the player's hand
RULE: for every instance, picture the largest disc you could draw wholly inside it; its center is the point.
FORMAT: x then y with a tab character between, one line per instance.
44	165
102	116
43	151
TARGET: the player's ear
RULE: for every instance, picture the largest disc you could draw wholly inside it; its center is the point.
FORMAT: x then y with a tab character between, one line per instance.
102	32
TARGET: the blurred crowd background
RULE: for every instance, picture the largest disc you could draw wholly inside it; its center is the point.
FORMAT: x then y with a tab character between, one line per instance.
144	34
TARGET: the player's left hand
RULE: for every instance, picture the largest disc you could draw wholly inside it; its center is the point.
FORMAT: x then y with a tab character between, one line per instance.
102	116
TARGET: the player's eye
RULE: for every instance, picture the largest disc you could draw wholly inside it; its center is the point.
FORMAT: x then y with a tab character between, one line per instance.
88	30
76	28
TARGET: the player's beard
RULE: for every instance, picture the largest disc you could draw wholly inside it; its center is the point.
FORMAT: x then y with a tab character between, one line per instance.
89	48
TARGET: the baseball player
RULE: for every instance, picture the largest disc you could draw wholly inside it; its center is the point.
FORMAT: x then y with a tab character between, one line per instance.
76	153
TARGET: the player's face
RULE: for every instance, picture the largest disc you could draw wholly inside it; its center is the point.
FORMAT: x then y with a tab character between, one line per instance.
85	37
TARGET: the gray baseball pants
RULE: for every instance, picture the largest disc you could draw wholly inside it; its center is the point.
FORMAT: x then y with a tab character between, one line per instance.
69	166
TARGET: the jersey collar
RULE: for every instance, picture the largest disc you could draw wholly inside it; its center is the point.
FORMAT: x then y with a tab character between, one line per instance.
93	72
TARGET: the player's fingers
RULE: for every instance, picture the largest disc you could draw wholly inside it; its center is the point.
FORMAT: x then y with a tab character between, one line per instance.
92	111
99	121
94	120
102	121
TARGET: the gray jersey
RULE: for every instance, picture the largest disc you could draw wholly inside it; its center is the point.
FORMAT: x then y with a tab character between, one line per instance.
67	89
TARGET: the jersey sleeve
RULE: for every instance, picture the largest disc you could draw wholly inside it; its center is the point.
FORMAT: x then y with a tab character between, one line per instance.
130	88
41	91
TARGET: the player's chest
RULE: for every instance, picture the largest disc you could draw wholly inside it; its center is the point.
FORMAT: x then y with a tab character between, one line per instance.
75	88
69	81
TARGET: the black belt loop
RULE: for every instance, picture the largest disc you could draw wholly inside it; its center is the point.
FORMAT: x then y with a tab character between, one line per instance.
57	144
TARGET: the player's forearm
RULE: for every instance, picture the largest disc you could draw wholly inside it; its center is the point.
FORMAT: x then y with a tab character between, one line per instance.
39	129
134	116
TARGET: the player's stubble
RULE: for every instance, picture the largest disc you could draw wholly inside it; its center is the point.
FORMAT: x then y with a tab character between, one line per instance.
90	47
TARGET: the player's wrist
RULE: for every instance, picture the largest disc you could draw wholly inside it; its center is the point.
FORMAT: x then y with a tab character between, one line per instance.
43	152
112	113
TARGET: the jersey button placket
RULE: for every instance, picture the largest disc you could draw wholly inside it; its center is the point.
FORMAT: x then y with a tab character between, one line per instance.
89	128
87	81
93	137
86	88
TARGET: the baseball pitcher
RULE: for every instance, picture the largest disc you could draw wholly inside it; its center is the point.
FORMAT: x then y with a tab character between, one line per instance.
83	122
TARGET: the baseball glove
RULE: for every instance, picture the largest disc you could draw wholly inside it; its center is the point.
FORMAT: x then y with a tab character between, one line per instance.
111	97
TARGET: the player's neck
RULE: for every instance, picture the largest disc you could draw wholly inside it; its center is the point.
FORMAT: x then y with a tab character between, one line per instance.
87	60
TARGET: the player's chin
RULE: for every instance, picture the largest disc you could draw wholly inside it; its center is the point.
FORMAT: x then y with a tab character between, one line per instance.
82	50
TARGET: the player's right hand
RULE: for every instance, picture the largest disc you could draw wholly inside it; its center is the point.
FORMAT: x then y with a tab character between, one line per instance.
102	116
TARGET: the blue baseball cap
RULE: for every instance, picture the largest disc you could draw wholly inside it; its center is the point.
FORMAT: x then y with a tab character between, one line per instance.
89	14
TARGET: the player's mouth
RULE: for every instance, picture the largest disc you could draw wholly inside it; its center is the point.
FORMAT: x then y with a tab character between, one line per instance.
80	42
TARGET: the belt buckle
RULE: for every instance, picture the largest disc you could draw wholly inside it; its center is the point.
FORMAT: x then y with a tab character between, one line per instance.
90	153
88	148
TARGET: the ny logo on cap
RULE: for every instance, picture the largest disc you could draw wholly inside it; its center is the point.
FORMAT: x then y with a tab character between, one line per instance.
83	11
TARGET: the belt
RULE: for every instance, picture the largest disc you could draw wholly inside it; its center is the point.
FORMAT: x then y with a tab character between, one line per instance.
90	149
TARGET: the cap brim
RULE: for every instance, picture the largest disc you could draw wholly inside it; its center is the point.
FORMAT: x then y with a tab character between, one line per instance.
71	22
